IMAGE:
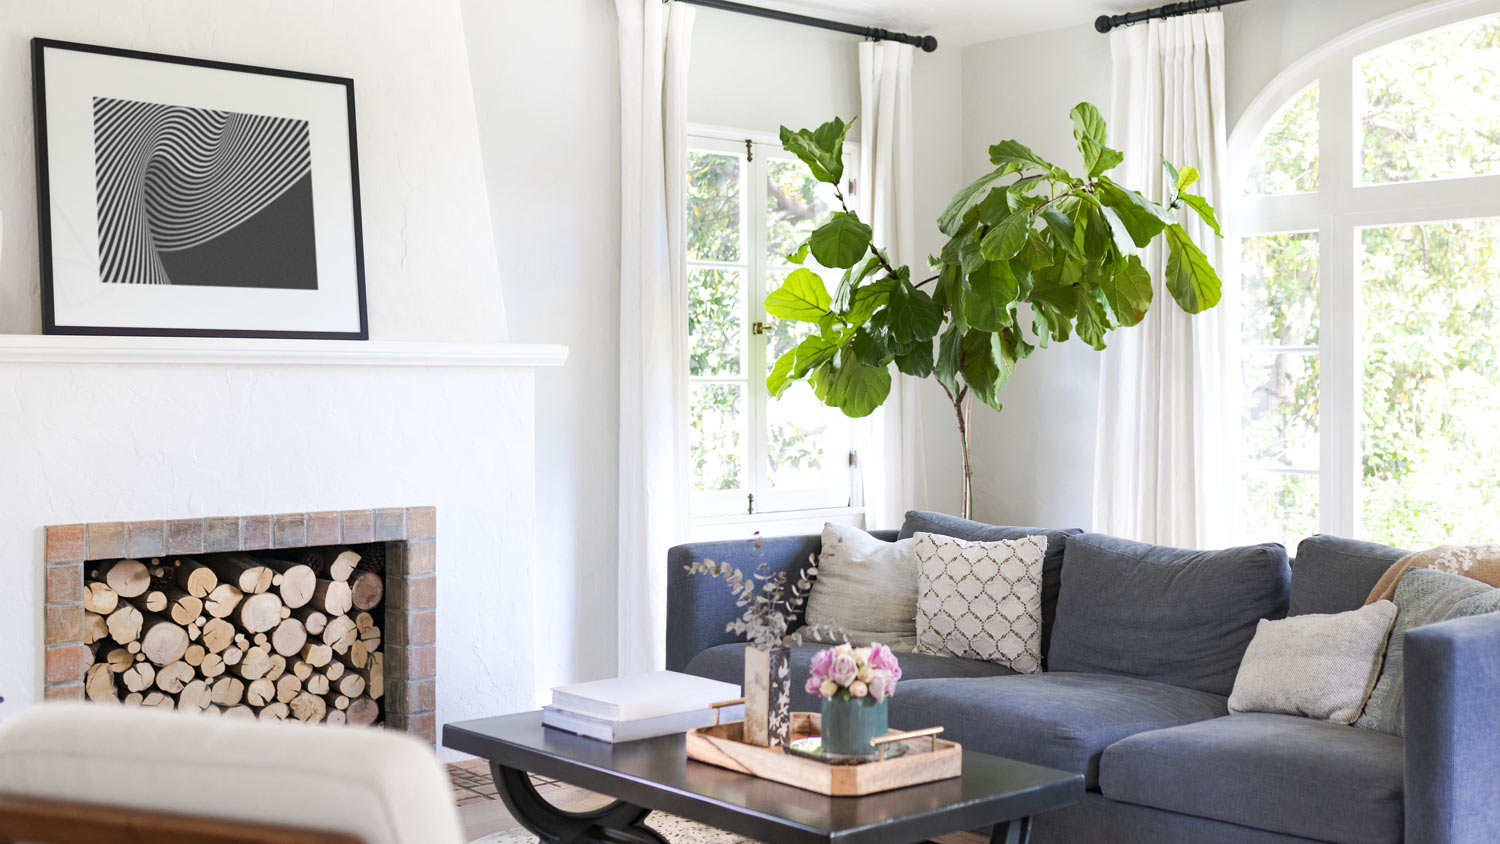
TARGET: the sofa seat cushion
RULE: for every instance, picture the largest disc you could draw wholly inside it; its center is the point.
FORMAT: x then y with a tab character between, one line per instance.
1279	773
727	663
1059	720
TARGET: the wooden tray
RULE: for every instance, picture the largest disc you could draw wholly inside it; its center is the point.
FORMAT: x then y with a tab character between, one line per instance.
927	759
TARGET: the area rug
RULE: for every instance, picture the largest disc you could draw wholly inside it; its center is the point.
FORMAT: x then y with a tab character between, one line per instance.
674	829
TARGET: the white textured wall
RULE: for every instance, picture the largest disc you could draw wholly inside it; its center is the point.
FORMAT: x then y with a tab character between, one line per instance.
429	253
547	92
86	443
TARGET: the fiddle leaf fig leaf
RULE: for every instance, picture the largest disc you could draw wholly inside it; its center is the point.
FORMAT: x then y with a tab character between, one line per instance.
780	377
1143	218
821	149
972	194
1093	319
810	354
869	347
913	315
1190	278
857	389
916	360
839	243
1089	132
1007	237
949	355
1129	292
1186	178
802	297
1203	209
1063	231
988	296
800	256
1018	154
985	366
867	300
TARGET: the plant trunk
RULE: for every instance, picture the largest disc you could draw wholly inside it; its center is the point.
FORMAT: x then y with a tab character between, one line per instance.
961	406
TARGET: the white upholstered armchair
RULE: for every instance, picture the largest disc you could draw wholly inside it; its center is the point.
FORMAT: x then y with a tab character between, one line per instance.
103	774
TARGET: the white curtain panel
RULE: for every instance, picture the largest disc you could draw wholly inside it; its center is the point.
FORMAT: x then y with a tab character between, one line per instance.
654	48
889	442
1166	419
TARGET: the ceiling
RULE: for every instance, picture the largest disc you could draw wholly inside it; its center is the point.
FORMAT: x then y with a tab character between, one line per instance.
958	22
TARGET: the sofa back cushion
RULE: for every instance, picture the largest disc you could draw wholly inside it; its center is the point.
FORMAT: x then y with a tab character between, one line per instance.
1165	614
925	521
1331	575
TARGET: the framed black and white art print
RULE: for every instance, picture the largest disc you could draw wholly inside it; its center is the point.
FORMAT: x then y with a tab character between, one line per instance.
189	197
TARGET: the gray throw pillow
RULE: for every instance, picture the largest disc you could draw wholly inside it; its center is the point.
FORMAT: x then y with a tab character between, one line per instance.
1424	596
1314	665
1166	614
865	586
927	521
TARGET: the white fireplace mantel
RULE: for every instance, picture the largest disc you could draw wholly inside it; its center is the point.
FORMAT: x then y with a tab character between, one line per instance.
233	351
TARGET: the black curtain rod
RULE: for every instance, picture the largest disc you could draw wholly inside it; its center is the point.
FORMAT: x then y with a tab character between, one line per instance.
926	42
1107	22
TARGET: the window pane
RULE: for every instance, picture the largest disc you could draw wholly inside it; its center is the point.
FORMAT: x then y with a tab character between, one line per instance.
716	307
714	219
1428	107
784	334
1279	276
796	203
717	437
1280	414
1286	159
1276	507
799	453
1431	383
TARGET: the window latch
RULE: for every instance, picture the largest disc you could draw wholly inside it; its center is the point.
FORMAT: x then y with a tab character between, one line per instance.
759	328
750	505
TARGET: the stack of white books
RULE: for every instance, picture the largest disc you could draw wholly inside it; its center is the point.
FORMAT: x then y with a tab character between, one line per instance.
641	706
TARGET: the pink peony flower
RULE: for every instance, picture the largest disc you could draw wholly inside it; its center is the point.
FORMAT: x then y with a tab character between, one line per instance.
883	659
814	684
822	661
878	683
829	688
844	669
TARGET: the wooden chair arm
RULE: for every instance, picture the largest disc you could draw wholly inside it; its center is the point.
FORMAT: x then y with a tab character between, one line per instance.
57	822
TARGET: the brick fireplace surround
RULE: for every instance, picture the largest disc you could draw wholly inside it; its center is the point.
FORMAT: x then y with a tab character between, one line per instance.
410	597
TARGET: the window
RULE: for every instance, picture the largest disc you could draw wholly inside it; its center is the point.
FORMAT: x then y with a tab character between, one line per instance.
1368	228
749	205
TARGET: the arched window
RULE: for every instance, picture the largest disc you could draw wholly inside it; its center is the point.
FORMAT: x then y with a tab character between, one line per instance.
1368	226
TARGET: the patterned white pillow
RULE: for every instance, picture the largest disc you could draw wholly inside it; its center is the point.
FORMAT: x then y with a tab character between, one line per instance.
981	600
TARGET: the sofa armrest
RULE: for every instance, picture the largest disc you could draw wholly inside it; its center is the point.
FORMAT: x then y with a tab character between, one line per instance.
698	606
1452	729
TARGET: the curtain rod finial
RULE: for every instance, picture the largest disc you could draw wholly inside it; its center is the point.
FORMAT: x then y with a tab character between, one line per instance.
1103	24
928	44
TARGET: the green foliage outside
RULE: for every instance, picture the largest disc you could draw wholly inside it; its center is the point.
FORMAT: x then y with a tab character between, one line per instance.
1028	233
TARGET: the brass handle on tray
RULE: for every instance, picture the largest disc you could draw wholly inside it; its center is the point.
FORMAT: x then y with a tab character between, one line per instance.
928	732
718	708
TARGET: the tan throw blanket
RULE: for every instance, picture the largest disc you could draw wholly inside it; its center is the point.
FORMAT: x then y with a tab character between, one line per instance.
1480	562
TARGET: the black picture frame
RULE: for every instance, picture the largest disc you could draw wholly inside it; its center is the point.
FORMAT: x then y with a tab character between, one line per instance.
50	322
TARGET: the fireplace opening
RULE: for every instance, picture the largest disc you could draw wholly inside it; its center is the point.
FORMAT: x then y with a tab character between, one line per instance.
315	617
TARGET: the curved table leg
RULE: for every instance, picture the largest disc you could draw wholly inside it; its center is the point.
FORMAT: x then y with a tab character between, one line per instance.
1017	831
619	822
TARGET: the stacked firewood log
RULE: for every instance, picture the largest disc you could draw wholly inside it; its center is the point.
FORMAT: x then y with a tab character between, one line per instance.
250	636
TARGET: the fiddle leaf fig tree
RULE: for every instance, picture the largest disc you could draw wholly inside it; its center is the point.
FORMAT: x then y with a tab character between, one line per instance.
1065	244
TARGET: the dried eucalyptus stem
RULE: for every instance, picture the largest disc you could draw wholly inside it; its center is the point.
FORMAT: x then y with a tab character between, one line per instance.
768	600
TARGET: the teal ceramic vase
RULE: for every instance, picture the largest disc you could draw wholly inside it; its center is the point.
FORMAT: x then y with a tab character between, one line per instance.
848	726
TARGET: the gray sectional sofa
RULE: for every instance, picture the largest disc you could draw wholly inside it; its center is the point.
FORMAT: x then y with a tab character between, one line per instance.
1142	644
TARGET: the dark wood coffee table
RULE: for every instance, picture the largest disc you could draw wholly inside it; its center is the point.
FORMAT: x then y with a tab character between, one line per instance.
656	775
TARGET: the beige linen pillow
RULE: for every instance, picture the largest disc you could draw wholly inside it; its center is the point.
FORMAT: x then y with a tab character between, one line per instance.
981	600
867	587
1316	666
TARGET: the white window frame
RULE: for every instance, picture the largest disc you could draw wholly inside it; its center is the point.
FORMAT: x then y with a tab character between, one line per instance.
1337	211
776	510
